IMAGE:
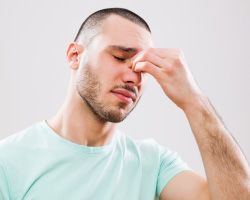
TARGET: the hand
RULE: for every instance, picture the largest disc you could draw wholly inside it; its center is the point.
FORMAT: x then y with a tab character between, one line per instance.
169	68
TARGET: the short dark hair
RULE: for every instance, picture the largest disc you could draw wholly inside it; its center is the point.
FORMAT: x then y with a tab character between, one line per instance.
88	29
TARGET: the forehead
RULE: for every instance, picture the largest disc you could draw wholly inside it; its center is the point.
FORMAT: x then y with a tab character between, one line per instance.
119	31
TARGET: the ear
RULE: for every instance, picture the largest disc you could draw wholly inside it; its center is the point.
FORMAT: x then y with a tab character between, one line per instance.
73	55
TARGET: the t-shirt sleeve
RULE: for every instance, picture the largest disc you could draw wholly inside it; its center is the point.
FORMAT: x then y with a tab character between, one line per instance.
4	187
170	165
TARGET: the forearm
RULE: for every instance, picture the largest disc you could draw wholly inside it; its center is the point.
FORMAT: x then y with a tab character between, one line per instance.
227	170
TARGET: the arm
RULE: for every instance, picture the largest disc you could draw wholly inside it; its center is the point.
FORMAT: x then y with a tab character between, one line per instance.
226	167
186	185
227	171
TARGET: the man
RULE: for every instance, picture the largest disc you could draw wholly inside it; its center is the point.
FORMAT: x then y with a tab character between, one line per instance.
79	153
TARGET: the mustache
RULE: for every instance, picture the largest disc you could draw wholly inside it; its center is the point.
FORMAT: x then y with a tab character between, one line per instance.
127	87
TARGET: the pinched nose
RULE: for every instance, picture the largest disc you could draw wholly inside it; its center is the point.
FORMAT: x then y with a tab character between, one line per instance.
131	77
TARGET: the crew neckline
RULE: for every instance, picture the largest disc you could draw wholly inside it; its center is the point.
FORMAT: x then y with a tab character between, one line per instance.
80	148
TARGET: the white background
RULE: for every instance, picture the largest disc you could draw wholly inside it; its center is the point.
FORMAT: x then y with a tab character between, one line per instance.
214	36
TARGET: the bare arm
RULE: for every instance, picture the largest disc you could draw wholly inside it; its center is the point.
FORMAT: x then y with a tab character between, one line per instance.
227	170
226	167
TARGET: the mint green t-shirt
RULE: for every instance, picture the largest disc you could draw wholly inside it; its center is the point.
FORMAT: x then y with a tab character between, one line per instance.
38	164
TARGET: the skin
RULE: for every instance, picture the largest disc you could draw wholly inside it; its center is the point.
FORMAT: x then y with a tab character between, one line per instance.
77	122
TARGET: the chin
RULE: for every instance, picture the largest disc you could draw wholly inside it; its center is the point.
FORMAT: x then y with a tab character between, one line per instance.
115	116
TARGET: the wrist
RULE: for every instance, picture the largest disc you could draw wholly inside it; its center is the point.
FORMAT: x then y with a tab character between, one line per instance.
201	110
200	103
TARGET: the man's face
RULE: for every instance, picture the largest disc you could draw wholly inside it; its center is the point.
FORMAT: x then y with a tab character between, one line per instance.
105	80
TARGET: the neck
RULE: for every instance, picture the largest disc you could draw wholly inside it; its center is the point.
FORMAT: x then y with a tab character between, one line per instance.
77	123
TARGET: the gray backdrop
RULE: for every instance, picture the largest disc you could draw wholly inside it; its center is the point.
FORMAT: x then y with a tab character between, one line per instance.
214	36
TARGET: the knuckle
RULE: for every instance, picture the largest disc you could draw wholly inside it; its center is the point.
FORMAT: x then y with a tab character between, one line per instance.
179	53
178	59
169	70
177	62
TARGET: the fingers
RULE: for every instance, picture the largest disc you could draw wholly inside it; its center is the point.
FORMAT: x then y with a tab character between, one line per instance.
151	61
167	52
147	67
165	59
150	56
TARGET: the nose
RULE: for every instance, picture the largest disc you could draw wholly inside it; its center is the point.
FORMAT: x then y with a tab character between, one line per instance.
131	77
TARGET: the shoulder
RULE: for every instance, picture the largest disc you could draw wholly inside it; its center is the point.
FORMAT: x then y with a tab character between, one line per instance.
13	157
20	140
148	149
147	146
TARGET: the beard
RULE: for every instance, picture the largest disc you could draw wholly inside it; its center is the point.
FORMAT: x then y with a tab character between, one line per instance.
89	88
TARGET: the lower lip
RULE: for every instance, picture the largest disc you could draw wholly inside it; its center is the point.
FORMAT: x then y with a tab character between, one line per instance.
123	98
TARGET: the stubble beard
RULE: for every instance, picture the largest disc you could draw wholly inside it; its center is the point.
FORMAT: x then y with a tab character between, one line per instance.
89	88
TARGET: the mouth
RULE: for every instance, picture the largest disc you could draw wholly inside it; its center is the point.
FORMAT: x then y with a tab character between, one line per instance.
124	95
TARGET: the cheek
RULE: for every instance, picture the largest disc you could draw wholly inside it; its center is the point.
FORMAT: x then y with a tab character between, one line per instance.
107	70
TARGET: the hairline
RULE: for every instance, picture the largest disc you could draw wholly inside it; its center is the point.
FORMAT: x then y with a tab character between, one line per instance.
80	36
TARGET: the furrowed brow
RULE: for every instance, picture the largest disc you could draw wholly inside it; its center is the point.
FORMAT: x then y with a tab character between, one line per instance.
123	48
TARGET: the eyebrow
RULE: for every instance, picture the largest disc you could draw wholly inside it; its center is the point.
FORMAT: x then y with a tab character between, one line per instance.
123	48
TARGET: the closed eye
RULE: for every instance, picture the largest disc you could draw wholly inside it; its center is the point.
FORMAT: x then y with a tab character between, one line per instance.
120	59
